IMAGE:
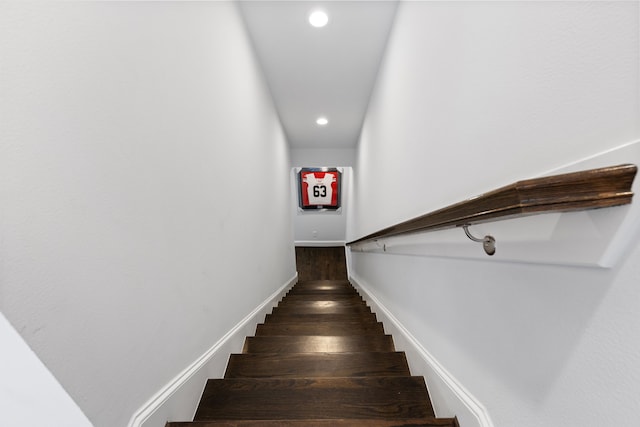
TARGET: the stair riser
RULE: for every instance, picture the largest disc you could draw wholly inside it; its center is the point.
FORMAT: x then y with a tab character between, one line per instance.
323	329
375	398
315	309
322	302
317	365
316	318
323	291
314	344
322	297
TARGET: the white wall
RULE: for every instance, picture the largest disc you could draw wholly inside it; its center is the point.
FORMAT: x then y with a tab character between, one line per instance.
321	228
314	157
137	226
29	394
476	95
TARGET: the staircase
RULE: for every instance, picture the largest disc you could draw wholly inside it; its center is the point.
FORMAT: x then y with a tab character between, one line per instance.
321	359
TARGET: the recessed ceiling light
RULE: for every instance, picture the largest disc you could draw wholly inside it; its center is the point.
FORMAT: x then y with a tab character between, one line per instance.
322	121
318	18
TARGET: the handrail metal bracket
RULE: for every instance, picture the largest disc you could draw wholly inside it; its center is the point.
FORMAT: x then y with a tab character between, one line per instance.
488	242
384	245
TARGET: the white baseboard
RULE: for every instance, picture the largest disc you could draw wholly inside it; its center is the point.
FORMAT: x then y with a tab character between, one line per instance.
448	396
320	243
178	399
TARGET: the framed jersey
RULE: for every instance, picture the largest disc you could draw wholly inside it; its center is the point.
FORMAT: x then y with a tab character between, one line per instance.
319	188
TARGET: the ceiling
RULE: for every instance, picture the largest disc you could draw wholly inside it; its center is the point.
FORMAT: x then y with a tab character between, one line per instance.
315	72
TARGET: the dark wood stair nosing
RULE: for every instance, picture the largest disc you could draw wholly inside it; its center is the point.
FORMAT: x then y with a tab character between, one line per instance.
406	422
302	308
320	317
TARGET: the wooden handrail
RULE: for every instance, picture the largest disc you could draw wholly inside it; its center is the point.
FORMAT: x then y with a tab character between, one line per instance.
589	189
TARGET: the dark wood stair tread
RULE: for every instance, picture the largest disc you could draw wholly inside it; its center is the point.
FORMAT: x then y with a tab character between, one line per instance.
323	285
295	365
323	290
314	283
398	422
314	343
324	302
323	297
315	398
321	307
321	328
333	317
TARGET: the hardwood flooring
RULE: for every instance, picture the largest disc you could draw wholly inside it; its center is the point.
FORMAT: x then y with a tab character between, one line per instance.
321	358
321	263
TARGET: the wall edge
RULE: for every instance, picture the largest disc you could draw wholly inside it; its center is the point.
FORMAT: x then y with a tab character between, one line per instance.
320	243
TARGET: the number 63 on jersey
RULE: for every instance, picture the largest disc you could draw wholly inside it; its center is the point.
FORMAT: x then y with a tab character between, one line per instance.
319	188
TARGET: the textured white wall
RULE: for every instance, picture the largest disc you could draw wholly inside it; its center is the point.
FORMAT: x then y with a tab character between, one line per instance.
482	94
137	224
312	157
475	95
